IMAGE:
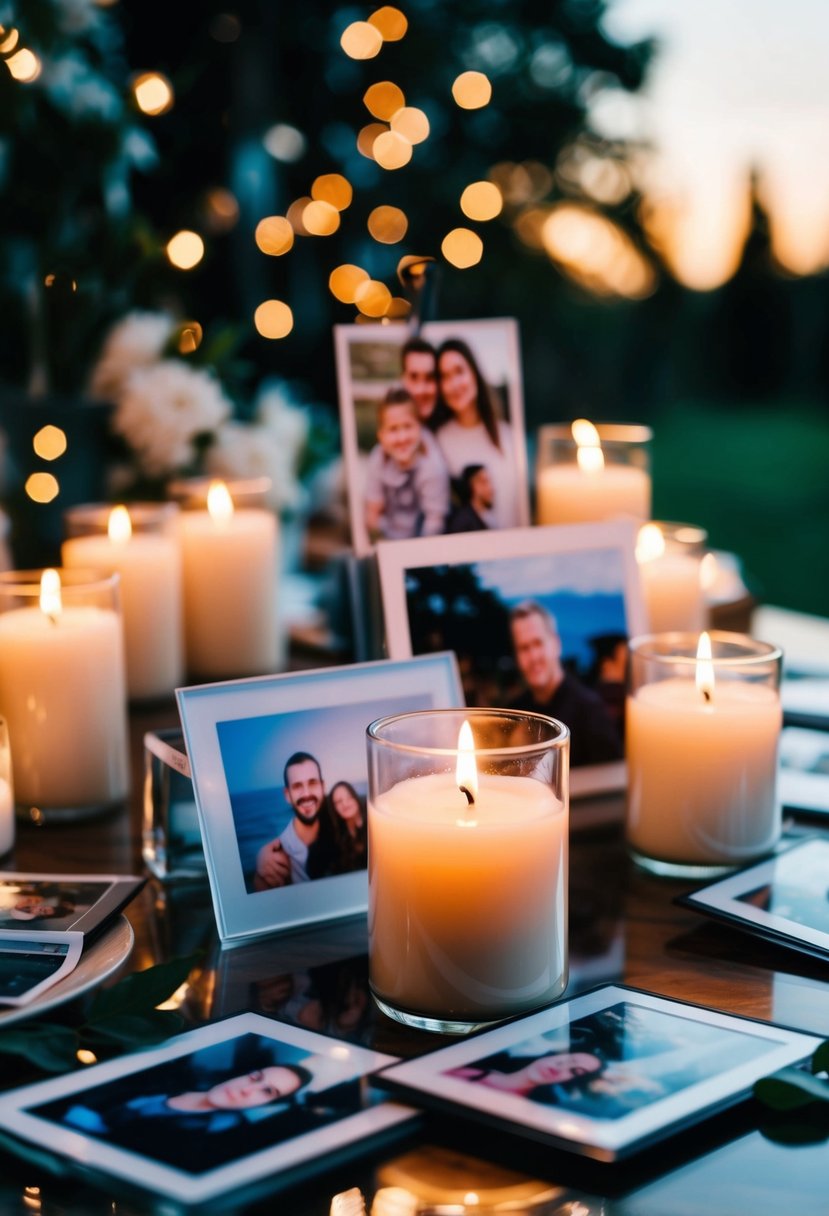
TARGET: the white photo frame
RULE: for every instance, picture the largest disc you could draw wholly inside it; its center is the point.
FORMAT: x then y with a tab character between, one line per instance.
784	899
584	575
240	733
368	360
604	1074
31	962
112	1120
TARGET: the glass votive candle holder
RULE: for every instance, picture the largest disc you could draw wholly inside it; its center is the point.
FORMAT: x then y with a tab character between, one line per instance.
586	473
140	543
467	865
702	731
6	792
63	691
171	840
669	556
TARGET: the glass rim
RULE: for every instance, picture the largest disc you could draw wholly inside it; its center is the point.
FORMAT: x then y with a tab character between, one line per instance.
755	653
608	432
138	511
673	529
416	749
26	583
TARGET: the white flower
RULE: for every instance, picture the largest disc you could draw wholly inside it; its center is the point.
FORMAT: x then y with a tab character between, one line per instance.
161	411
135	342
251	449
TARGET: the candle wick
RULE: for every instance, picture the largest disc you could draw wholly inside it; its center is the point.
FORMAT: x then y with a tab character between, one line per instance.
52	617
470	801
706	693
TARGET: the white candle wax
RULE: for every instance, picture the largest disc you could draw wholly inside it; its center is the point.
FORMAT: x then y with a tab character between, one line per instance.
63	694
6	817
672	590
567	494
230	571
151	601
702	775
468	907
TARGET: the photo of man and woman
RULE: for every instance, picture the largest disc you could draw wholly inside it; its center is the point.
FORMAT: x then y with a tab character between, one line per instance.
431	430
297	784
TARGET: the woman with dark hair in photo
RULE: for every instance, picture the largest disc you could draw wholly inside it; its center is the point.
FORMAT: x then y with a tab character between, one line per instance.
469	430
348	817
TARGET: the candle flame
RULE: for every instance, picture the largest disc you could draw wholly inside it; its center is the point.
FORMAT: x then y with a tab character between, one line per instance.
650	543
705	667
219	502
119	527
466	771
591	460
51	603
589	448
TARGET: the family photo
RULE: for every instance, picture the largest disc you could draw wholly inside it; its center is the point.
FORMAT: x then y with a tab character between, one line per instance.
432	429
538	623
297	785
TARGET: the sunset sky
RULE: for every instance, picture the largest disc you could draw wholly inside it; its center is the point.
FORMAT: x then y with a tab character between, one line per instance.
735	84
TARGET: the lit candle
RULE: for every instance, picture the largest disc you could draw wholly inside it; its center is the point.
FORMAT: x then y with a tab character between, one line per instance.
6	794
468	891
229	559
589	487
702	752
63	694
149	564
671	577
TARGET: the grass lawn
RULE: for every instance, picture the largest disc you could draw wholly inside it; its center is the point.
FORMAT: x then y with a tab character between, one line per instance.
757	478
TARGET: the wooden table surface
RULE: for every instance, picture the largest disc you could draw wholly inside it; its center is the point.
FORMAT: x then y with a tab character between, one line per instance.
625	927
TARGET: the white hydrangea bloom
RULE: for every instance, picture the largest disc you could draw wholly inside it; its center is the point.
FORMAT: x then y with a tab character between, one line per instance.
134	342
161	411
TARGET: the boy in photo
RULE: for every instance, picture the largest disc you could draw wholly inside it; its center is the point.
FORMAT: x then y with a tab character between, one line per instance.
407	483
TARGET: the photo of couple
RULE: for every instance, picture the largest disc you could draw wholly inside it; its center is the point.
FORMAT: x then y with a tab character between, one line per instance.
297	784
431	430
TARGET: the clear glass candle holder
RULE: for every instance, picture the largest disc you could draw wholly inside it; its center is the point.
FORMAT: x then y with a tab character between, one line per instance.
467	865
702	739
578	482
63	691
140	543
6	792
670	556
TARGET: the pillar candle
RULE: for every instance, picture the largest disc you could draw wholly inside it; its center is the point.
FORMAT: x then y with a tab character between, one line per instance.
6	816
149	564
229	561
568	494
468	907
63	694
671	583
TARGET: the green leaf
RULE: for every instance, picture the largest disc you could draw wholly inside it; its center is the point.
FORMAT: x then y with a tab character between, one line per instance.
790	1088
134	1029
143	990
51	1048
820	1060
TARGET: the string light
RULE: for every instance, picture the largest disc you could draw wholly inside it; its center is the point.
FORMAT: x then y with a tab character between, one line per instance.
273	319
392	151
391	23
42	487
361	40
320	219
185	250
344	281
153	93
334	189
472	90
388	225
384	99
411	123
481	201
462	248
274	235
49	443
372	298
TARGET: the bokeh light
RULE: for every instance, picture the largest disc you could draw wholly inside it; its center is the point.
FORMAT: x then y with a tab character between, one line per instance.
8	41
274	235
42	487
295	214
388	224
284	142
596	253
361	40
481	201
320	219
273	319
24	66
190	336
384	99
185	250
49	443
367	136
391	23
398	309
344	281
153	93
221	210
372	298
472	90
462	247
411	123
334	189
392	151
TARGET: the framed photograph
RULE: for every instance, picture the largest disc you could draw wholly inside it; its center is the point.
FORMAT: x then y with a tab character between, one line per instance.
784	899
237	1105
84	903
280	779
433	429
803	776
604	1074
31	962
539	618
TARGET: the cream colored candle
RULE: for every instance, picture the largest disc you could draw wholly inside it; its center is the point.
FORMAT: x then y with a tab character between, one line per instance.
671	584
589	488
6	817
468	905
149	564
702	773
229	560
63	694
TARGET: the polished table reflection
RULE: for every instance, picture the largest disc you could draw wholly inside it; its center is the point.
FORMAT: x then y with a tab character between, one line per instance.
624	927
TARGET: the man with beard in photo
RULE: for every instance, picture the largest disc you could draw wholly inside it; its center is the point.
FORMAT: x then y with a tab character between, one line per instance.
302	850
